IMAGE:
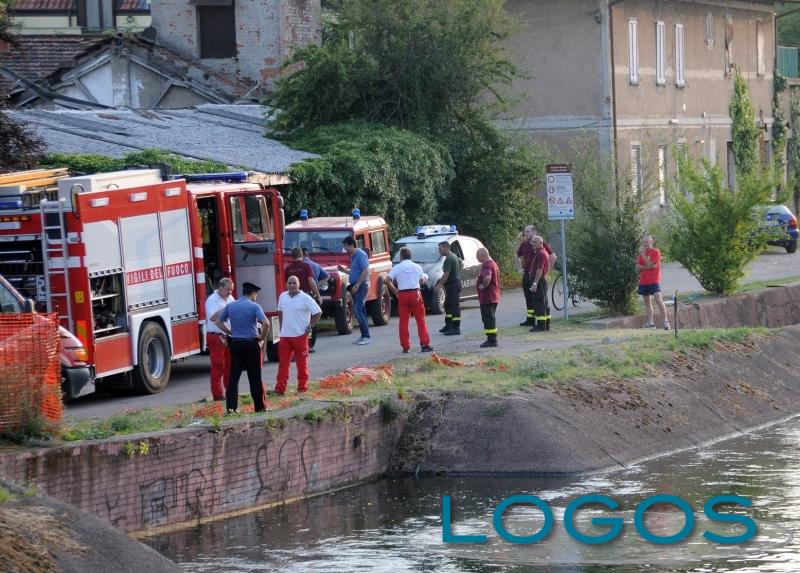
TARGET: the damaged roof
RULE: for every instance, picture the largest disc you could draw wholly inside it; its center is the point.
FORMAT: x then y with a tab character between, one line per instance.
230	134
37	56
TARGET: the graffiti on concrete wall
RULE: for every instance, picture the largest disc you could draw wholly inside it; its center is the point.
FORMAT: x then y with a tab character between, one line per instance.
170	499
289	466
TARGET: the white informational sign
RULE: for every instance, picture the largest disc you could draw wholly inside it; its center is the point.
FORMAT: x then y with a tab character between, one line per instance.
560	200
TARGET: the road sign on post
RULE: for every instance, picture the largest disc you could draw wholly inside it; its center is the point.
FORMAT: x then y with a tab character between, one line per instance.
560	201
561	207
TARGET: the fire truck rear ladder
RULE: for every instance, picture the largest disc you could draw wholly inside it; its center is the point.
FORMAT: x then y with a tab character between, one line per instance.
55	256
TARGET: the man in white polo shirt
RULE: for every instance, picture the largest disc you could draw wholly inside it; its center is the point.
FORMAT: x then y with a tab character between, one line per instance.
216	340
298	314
404	281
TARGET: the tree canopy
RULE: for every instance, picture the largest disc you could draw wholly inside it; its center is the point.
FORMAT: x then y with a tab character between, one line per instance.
425	65
398	100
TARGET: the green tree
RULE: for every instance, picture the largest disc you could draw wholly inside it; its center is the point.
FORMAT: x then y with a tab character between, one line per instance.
794	147
418	64
435	69
779	126
789	26
380	169
715	232
495	190
604	239
744	131
20	148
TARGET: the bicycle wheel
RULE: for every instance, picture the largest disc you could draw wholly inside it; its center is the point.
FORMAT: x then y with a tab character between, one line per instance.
557	293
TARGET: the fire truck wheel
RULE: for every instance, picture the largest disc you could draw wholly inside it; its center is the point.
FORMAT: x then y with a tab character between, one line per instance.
152	373
381	308
343	316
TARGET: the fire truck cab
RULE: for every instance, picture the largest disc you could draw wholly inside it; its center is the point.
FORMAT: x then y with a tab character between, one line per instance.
127	260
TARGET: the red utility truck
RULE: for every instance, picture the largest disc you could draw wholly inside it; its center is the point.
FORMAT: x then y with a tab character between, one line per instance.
127	260
323	236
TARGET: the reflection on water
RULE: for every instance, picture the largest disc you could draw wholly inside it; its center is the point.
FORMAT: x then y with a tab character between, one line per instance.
395	525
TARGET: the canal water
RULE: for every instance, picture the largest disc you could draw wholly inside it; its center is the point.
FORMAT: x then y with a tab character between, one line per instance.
395	525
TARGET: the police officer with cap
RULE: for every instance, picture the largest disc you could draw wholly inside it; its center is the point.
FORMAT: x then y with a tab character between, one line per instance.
245	344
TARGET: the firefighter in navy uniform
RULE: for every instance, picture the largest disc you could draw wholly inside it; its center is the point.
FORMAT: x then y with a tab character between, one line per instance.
245	344
451	282
540	266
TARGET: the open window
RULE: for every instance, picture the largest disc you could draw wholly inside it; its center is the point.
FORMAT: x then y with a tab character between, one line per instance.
251	219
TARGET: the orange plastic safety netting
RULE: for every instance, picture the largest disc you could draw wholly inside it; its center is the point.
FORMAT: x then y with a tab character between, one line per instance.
30	381
357	376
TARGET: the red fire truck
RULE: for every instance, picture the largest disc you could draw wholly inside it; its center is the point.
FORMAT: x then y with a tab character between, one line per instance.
127	260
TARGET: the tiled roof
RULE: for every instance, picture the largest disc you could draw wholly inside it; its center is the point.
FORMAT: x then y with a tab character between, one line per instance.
38	56
43	5
230	134
133	5
70	6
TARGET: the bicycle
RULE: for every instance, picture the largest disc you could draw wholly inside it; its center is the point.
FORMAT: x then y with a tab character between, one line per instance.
557	291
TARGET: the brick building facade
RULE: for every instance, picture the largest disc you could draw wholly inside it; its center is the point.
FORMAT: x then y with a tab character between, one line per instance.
246	38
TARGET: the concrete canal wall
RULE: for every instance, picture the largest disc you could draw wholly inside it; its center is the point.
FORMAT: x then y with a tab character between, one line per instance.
587	425
157	481
772	307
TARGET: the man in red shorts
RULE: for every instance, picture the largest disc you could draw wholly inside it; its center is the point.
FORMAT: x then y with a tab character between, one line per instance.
649	266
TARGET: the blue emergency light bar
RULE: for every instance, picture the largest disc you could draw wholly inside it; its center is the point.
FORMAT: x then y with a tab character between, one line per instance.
304	214
431	230
356	213
232	177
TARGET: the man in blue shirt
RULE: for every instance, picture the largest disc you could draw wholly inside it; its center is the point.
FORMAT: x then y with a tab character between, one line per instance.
359	286
245	343
320	274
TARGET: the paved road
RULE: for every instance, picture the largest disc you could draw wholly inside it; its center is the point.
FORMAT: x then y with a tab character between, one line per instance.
334	353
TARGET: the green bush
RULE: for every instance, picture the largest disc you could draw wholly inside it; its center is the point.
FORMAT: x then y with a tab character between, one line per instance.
604	239
382	170
714	232
88	163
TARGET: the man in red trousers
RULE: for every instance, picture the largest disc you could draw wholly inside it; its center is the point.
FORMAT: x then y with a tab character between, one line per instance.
404	281
298	314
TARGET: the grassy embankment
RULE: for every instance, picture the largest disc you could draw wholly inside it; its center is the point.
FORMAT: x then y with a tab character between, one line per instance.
590	355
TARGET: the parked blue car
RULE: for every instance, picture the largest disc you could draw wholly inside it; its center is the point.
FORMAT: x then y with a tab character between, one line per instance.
781	216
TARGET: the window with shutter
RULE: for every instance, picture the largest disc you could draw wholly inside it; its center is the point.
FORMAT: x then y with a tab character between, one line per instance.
729	62
661	57
633	51
680	63
709	29
636	168
662	174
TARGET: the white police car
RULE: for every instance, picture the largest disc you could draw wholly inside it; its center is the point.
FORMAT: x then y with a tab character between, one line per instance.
425	251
